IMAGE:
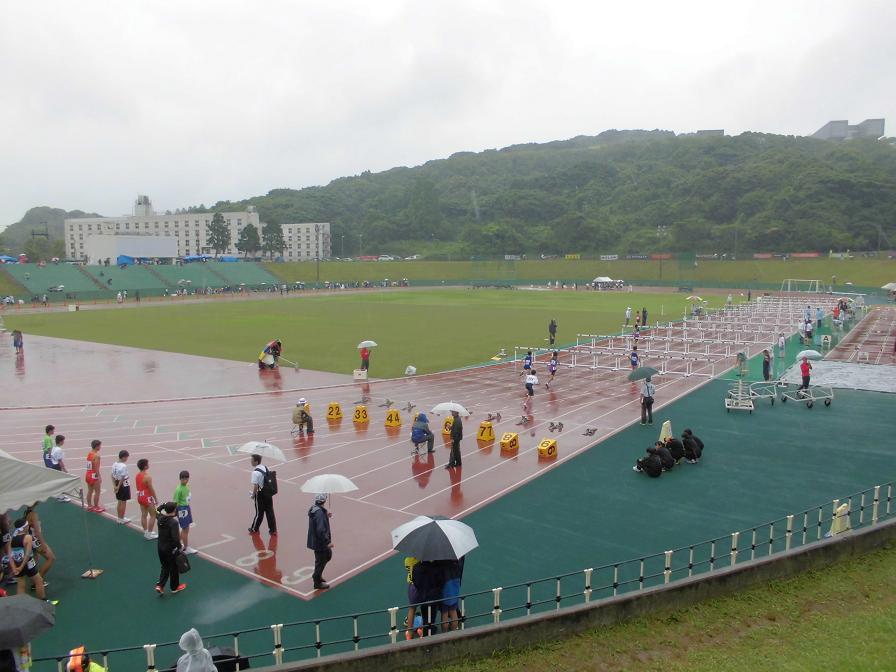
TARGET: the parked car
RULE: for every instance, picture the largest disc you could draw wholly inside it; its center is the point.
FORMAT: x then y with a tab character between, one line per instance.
56	288
413	257
385	257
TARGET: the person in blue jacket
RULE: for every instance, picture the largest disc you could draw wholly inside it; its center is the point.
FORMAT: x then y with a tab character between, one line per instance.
420	432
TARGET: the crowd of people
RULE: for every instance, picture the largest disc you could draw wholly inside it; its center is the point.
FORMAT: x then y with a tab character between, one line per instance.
664	455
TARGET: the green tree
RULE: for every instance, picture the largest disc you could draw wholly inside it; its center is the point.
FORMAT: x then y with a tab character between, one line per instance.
272	238
218	234
249	241
43	249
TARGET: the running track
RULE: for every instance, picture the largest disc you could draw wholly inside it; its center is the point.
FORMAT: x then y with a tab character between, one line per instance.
202	409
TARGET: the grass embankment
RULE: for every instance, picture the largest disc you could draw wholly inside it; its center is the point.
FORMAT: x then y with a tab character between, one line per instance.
839	618
9	287
432	329
861	272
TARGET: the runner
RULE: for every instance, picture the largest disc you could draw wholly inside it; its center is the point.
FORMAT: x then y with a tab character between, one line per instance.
634	358
146	498
527	363
184	512
552	367
92	477
531	382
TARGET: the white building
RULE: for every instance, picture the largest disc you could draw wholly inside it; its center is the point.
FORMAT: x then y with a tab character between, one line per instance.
189	229
306	241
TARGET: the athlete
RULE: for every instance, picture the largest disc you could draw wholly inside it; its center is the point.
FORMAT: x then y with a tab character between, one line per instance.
92	477
527	363
531	382
184	512
634	358
48	444
146	498
552	367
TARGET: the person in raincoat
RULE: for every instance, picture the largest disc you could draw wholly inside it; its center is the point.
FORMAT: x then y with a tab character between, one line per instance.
301	418
421	432
270	355
196	657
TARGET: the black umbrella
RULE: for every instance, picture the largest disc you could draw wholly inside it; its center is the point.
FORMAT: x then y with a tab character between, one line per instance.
22	618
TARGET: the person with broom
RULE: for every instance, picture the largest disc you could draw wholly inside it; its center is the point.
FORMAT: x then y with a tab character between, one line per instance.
269	356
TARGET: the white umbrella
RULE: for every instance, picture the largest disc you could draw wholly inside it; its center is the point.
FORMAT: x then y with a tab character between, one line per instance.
262	448
366	344
809	354
434	538
448	406
328	483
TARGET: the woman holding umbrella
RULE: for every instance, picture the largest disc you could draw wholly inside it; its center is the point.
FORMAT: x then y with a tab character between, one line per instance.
364	350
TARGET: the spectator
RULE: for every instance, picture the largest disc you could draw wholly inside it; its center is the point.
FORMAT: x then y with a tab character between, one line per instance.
819	316
676	448
169	545
196	657
453	573
766	365
413	596
319	539
628	315
421	432
429	579
651	465
693	446
40	545
665	455
79	661
647	391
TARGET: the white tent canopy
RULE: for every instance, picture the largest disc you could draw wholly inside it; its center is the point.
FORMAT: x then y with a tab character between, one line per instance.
23	484
889	286
602	278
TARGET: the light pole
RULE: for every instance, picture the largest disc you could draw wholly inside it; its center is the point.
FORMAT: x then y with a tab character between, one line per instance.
360	244
342	247
661	234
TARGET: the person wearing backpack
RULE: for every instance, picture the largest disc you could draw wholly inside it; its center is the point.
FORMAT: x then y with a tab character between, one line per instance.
263	491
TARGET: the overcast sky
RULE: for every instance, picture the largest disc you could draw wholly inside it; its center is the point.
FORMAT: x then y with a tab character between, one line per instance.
191	102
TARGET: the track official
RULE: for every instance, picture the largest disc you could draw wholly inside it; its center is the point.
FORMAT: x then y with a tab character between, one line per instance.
264	500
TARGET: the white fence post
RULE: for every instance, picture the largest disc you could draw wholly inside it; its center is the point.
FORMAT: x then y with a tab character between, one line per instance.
667	571
875	505
496	610
278	643
150	650
393	624
587	592
789	532
734	538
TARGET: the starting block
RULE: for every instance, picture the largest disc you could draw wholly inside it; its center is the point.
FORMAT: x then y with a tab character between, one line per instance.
510	442
360	416
334	411
446	426
547	449
486	431
393	418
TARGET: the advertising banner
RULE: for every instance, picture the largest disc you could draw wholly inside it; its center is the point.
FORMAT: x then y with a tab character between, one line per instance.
805	255
763	255
663	255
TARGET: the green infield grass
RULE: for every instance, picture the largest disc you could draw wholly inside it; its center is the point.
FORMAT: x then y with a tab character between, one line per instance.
433	330
839	618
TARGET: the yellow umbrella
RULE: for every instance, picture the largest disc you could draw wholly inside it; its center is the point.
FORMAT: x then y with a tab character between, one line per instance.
666	431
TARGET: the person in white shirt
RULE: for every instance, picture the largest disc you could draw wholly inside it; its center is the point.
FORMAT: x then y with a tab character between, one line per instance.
56	460
628	315
121	483
531	382
648	389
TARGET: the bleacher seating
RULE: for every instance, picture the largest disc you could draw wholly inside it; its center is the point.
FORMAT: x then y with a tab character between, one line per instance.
38	279
130	278
251	273
199	275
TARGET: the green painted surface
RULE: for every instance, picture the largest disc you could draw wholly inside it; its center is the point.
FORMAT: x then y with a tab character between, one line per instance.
588	512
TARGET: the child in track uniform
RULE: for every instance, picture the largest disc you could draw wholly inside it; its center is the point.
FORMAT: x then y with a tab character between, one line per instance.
92	477
39	542
531	382
121	482
146	498
184	513
57	462
552	368
22	560
527	363
634	358
48	444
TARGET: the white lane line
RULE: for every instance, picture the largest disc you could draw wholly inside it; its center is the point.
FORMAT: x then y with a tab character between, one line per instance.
226	540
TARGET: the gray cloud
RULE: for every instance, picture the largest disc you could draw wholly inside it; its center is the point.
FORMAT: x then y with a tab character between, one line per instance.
195	101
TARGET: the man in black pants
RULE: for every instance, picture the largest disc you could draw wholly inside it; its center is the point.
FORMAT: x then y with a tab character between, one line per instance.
319	539
457	433
264	502
552	331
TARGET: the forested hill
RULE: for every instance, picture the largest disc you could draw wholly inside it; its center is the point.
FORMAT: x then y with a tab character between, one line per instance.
610	193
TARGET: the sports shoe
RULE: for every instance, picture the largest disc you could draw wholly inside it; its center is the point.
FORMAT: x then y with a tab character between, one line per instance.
181	587
53	602
160	590
63	498
189	550
150	535
253	531
643	423
124	521
46	583
99	509
323	585
635	469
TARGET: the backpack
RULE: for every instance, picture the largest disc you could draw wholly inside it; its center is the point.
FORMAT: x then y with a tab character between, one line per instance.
269	484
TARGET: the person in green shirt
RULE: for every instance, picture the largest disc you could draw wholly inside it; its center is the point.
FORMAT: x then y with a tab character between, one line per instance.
184	514
48	444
